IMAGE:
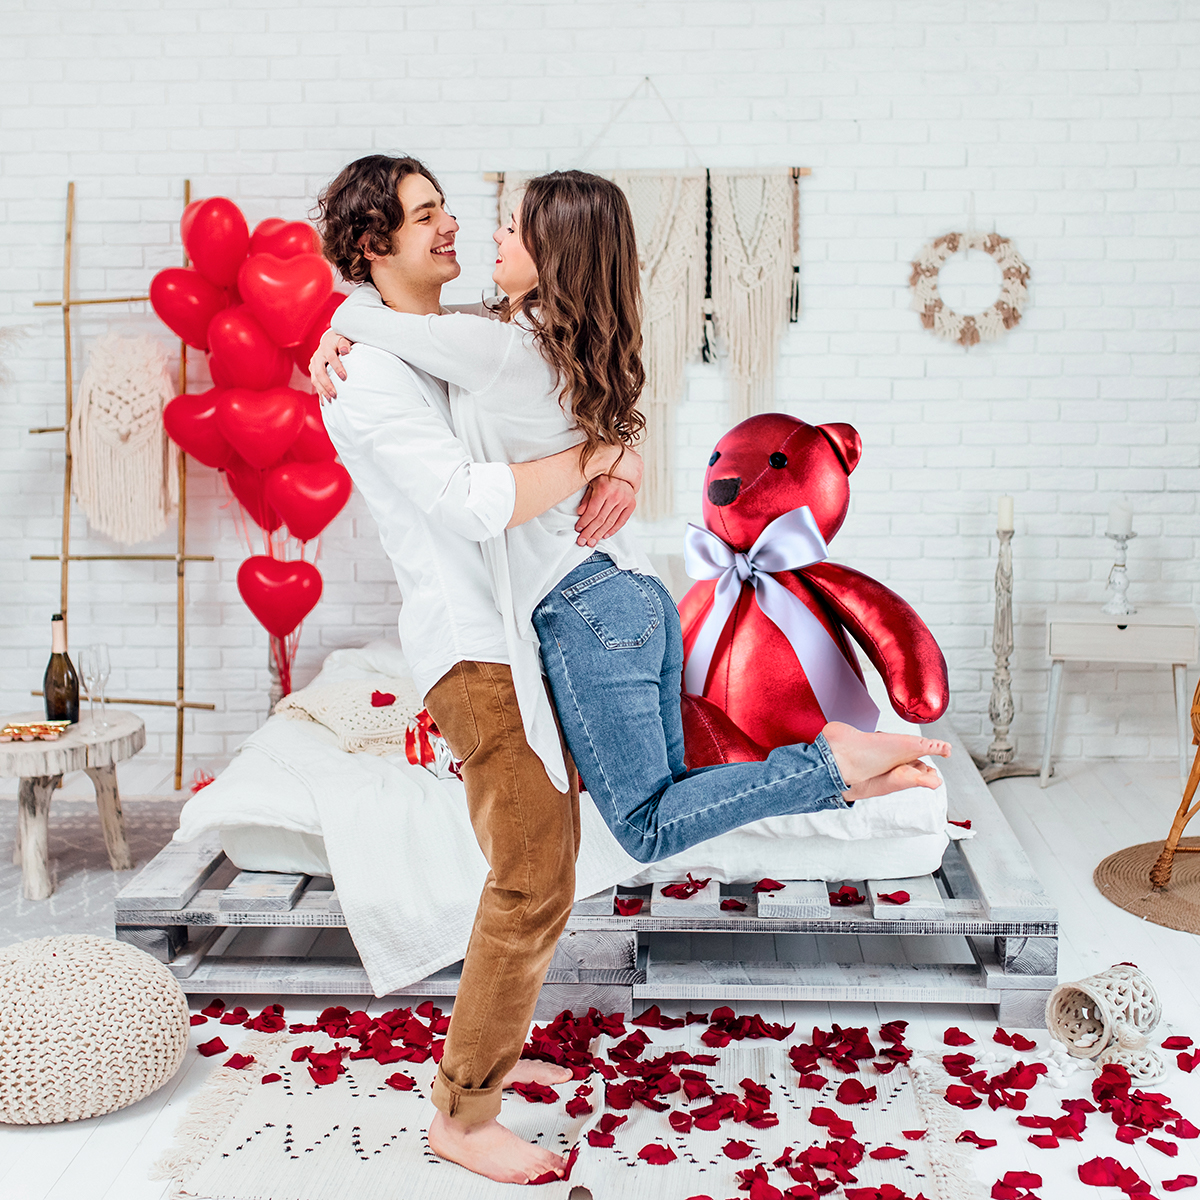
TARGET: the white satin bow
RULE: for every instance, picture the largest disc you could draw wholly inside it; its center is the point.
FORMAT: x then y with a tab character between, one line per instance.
789	542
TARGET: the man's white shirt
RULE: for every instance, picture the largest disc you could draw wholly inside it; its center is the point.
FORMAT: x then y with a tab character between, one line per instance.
434	505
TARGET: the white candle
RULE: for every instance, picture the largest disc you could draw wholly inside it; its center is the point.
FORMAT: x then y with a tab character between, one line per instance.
1005	521
1120	520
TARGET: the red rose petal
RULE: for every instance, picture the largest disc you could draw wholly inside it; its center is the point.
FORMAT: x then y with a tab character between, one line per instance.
961	824
846	896
216	1046
1188	1062
1178	1042
1099	1172
197	1019
851	1091
735	1149
238	1062
1183	1129
768	885
401	1082
536	1093
969	1135
657	1155
681	1122
962	1097
577	1106
272	1078
602	1141
628	906
895	897
915	1135
215	1009
813	1081
382	699
1179	1183
1170	1149
1044	1141
956	1037
885	1152
733	904
1129	1134
1021	1179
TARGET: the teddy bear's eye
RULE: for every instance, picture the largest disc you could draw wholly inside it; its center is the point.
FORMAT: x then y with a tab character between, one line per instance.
715	455
778	460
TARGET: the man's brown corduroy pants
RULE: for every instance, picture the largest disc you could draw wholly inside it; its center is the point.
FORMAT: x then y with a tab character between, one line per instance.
529	834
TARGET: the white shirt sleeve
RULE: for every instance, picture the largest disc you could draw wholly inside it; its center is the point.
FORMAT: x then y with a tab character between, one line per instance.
466	350
380	411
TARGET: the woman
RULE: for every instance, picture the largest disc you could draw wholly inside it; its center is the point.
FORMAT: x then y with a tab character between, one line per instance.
564	359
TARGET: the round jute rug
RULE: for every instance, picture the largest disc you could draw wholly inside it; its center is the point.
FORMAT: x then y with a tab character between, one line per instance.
1124	878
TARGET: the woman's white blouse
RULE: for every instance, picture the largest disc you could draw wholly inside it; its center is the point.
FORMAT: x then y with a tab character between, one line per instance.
505	404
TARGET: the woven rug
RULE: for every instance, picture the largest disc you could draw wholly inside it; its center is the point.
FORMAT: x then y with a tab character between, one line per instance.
1124	878
84	883
358	1139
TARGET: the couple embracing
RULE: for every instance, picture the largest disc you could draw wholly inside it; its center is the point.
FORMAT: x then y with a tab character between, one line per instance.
493	448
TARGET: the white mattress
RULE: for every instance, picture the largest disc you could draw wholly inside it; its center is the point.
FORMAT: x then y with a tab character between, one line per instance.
883	838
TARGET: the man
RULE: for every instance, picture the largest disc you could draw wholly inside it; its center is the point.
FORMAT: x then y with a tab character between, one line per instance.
384	220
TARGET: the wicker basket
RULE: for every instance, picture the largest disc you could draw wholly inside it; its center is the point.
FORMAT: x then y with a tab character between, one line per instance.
1107	1017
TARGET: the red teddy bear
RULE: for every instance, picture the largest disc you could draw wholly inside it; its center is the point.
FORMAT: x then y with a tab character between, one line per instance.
765	634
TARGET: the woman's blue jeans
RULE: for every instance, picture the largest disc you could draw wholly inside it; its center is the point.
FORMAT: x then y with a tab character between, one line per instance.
613	651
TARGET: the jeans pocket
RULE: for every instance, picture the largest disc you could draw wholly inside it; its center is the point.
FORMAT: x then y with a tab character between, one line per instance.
616	607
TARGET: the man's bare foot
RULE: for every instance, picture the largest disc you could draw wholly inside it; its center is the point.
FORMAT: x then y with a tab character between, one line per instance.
491	1150
533	1070
907	775
862	756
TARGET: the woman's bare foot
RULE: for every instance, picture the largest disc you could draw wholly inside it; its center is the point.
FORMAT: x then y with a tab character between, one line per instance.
907	775
491	1150
862	756
533	1070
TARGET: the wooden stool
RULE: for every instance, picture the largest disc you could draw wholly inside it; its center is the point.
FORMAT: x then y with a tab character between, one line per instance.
40	766
1160	873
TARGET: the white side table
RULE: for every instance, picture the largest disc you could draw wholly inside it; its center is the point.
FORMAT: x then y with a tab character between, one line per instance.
40	765
1164	636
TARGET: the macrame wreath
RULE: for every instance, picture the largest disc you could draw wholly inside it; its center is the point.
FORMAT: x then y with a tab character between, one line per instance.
988	325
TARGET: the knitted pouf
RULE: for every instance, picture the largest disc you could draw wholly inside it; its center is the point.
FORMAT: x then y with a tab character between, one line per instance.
87	1026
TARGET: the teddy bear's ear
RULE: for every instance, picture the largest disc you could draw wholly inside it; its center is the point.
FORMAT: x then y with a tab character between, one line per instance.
846	441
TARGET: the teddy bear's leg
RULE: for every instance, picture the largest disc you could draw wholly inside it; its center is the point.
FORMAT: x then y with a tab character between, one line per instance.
711	738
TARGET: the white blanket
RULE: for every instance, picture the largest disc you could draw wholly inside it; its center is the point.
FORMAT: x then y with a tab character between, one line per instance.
409	872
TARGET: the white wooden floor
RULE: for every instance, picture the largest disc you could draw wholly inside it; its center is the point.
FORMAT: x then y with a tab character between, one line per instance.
1089	810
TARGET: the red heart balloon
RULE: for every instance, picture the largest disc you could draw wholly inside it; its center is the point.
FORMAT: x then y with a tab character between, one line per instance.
308	495
284	239
216	238
242	353
279	594
261	425
191	423
285	294
312	443
246	484
186	303
312	337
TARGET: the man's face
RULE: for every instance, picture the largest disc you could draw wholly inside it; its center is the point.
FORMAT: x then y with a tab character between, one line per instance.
423	247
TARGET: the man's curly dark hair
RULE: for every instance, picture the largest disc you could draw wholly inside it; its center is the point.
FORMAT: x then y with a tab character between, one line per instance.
361	209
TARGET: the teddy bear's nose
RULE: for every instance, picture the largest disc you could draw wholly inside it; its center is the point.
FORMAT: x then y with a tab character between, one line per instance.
724	491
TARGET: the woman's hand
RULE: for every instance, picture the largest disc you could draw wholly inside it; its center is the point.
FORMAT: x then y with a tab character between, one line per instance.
607	505
329	354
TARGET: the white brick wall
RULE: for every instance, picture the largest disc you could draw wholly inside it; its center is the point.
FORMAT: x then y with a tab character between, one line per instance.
1072	122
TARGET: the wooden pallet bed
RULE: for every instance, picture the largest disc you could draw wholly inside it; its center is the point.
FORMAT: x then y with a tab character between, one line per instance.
979	931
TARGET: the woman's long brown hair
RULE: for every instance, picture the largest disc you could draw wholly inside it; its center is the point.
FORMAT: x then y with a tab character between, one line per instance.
586	310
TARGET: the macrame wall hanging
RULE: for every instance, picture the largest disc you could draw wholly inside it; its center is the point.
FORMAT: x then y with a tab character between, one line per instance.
124	476
755	274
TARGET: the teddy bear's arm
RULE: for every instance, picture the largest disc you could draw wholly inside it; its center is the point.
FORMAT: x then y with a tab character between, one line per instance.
895	639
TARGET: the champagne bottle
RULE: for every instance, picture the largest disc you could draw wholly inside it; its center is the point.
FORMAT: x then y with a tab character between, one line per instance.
60	684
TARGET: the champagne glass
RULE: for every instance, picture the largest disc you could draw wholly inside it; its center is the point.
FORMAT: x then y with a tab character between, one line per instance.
103	668
86	665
